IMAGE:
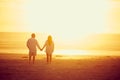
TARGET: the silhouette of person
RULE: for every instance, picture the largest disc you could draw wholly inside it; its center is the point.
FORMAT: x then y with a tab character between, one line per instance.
32	43
49	44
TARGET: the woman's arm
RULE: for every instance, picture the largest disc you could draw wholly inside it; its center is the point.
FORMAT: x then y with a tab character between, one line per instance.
44	45
53	47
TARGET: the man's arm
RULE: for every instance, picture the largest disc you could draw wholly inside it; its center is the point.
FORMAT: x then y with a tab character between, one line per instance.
44	45
38	45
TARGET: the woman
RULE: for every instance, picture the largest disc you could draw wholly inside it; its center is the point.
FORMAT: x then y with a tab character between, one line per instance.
49	44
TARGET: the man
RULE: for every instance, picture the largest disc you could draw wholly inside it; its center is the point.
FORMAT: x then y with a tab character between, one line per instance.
32	43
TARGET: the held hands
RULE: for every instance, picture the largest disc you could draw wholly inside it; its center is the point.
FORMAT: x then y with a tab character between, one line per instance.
41	49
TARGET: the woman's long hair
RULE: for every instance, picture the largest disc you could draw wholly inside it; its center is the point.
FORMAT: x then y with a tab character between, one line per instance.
49	39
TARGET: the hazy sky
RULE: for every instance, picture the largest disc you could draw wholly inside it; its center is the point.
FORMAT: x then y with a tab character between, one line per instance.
61	17
114	16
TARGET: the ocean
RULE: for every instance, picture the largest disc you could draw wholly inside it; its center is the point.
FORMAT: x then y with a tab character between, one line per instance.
15	42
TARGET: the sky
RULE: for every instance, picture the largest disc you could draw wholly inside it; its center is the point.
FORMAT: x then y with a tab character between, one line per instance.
67	20
55	16
114	16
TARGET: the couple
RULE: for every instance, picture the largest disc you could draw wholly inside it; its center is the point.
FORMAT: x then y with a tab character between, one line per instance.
32	43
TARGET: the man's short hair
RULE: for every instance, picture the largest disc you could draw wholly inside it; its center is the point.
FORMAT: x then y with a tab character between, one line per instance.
33	35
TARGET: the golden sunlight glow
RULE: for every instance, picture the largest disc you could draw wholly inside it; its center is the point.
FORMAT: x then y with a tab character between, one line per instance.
114	16
56	17
68	21
71	52
53	16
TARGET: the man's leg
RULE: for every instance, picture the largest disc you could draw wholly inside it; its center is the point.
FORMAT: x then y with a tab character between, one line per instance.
33	59
29	59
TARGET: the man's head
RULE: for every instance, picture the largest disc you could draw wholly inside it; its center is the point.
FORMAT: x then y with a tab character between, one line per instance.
33	35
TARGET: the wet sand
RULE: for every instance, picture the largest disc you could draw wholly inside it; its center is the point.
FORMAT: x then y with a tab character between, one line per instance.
16	67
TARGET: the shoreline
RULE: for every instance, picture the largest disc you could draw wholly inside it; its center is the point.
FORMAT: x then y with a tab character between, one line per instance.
55	56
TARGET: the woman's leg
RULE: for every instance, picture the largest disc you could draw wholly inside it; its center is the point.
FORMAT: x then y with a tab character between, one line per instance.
47	57
50	58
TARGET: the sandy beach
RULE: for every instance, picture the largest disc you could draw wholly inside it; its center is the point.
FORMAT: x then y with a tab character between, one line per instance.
16	67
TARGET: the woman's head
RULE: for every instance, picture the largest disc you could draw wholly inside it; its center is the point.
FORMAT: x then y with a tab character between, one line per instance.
49	39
